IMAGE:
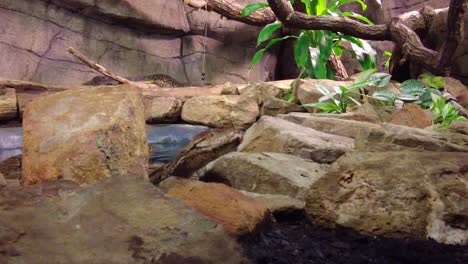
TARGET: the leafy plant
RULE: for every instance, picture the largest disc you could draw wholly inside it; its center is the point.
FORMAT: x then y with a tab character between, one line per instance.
338	100
387	54
444	113
314	47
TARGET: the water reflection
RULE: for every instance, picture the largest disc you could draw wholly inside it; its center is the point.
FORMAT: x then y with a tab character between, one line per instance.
11	142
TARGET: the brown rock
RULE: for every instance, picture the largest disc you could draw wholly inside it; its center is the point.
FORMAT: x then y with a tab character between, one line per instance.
223	111
454	86
229	89
272	134
11	167
8	104
238	213
395	194
85	135
162	109
274	106
118	220
411	115
260	91
278	204
3	181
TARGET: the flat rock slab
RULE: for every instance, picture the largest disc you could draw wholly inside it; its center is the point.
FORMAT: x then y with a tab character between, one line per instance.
118	220
8	104
265	173
85	135
402	194
271	134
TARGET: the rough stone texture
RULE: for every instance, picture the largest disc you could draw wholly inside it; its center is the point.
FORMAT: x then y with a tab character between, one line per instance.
260	91
162	110
223	111
118	220
460	127
396	194
458	90
278	204
271	134
274	106
328	124
411	115
85	135
395	137
8	104
266	173
3	181
130	37
11	167
238	213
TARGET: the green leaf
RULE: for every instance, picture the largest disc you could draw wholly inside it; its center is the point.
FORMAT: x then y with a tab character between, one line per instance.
412	87
301	49
326	107
308	7
380	79
358	16
256	58
364	76
385	95
267	31
250	8
432	81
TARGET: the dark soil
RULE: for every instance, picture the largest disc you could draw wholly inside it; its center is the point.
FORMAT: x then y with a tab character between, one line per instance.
297	241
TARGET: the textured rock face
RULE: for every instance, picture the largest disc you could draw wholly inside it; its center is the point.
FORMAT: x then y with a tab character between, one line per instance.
266	173
8	108
412	115
238	213
223	111
413	197
162	110
85	135
130	37
118	220
271	134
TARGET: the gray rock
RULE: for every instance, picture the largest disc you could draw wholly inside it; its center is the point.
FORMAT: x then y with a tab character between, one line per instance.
264	173
274	106
162	110
118	220
8	104
395	194
272	134
278	204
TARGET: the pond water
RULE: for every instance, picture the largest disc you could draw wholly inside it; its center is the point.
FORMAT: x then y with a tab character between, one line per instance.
166	141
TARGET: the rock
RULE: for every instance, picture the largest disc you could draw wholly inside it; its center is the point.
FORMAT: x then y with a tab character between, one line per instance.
221	111
395	137
411	115
205	147
395	194
8	104
3	181
162	110
11	167
460	127
330	123
366	113
272	134
85	135
307	91
230	89
239	214
278	204
118	220
137	38
455	87
274	106
260	91
264	173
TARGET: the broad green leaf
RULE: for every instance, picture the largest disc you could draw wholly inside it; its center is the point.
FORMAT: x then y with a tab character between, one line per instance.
412	87
307	4
364	76
338	50
301	49
358	16
259	54
432	81
326	107
250	8
385	95
380	79
267	31
320	7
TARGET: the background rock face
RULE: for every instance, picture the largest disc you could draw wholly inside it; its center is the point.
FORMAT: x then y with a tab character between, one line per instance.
85	135
130	37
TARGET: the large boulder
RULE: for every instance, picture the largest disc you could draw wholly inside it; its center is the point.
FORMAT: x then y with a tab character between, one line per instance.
118	220
239	214
131	38
265	173
8	104
162	110
413	116
85	135
395	194
221	111
272	134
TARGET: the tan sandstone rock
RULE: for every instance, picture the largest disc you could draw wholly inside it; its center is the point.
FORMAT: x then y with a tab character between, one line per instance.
272	134
8	104
162	109
411	115
221	111
238	213
85	135
265	173
395	194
